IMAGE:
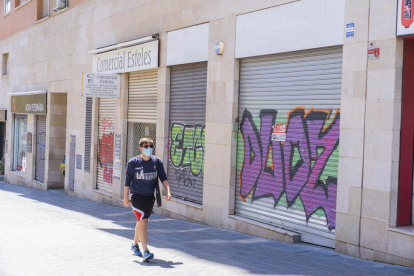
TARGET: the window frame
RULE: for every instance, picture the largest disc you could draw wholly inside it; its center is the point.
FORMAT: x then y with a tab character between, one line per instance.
5	65
5	5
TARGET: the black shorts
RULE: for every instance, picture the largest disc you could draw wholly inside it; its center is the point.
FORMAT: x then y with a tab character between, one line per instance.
142	206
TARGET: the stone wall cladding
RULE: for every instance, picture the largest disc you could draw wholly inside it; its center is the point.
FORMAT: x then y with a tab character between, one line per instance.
51	55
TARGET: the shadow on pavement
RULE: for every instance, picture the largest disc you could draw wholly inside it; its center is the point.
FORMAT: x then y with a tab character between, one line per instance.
253	254
160	263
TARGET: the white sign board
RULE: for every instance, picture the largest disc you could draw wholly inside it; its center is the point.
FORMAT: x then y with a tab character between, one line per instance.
188	45
405	18
139	57
279	133
295	26
101	86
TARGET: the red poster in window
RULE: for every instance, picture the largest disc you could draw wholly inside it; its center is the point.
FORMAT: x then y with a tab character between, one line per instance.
407	13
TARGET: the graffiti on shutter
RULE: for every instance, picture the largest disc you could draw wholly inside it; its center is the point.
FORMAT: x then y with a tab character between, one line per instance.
294	168
186	152
106	146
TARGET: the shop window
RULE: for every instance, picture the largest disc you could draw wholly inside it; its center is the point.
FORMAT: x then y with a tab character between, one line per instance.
20	144
5	65
7	6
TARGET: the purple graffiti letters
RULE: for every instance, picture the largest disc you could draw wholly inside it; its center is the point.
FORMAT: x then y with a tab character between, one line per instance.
308	134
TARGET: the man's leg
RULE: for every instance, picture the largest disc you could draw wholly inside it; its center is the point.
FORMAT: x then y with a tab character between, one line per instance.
136	236
142	232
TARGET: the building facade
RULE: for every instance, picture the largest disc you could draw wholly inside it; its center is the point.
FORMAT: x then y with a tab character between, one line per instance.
299	130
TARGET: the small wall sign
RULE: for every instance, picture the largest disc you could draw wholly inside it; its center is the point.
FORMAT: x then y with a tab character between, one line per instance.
79	161
350	29
373	53
279	133
117	156
101	85
29	142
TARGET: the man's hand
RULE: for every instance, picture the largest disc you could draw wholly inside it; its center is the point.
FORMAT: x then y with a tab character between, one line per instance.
168	196
126	201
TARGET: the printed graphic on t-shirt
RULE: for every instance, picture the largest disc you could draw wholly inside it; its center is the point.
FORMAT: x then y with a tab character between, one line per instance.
139	174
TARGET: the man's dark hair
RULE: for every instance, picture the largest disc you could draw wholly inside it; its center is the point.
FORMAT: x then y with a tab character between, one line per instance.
145	140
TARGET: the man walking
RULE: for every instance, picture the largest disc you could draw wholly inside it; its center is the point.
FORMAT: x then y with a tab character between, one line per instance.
141	178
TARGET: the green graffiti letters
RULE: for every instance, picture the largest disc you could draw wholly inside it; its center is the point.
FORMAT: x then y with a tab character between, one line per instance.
187	147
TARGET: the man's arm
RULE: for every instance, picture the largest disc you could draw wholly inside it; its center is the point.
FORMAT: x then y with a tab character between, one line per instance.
126	196
129	176
163	177
167	188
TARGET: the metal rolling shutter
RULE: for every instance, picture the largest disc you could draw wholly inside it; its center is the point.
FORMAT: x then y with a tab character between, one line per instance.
40	147
88	132
292	183
105	144
142	96
142	109
187	131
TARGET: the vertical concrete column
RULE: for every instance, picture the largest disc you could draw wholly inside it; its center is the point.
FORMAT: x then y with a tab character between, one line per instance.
163	104
121	123
221	111
382	130
351	148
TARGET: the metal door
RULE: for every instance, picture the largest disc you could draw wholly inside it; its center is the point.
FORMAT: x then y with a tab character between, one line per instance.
72	159
288	143
40	147
106	130
187	131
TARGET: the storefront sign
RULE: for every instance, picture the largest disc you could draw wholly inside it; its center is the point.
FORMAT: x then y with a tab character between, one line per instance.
29	104
29	142
102	86
373	53
3	115
139	57
279	133
117	157
405	18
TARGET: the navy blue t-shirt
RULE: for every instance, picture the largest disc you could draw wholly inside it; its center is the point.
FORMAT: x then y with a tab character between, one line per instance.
142	176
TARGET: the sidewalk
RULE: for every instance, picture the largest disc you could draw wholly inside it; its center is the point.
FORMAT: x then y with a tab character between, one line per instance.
49	233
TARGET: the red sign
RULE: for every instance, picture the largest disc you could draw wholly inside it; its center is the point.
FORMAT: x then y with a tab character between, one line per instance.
407	13
279	133
373	53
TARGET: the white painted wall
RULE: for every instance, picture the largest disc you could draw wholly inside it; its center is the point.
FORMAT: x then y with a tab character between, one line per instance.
301	25
188	45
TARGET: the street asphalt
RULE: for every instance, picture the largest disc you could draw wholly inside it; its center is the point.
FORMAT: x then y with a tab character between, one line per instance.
49	233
